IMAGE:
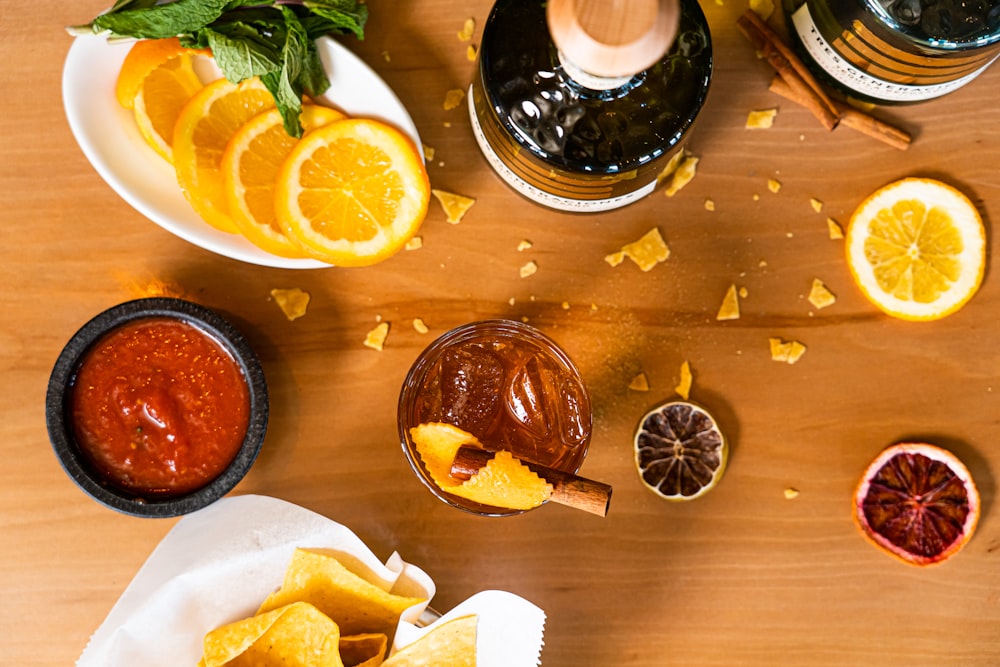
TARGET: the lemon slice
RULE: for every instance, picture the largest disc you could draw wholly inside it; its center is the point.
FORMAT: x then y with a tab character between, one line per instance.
917	249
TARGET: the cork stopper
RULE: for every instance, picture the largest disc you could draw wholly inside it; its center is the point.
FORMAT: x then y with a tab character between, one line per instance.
613	38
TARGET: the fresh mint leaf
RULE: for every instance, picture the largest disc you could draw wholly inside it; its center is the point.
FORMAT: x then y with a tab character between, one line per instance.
241	51
344	15
159	21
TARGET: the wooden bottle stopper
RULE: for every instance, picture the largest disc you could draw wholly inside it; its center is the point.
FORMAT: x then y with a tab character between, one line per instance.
567	489
613	38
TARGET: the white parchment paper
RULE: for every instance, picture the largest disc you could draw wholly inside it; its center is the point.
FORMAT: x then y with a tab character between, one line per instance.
218	564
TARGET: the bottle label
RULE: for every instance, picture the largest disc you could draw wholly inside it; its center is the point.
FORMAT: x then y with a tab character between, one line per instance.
540	196
830	56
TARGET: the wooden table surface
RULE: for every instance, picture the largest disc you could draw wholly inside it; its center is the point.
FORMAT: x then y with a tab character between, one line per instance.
740	576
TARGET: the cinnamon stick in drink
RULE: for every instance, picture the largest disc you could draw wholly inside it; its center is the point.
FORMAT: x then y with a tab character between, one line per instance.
567	489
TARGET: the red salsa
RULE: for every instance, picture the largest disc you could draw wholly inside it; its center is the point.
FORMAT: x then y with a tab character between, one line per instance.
159	407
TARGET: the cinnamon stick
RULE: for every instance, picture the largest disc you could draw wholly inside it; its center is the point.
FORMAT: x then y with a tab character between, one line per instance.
790	67
852	118
567	489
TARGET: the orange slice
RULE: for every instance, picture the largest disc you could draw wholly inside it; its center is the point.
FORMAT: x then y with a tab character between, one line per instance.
205	126
917	249
918	503
352	193
250	166
156	80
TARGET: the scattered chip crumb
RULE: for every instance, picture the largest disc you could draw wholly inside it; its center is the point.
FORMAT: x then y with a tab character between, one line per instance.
639	383
791	493
386	57
429	153
415	243
468	29
511	301
447	123
293	302
744	292
671	166
683	175
774	185
529	269
471	52
836	231
761	119
376	337
763	8
419	326
762	263
756	197
524	245
647	252
453	98
730	308
816	204
790	235
820	296
786	351
455	206
683	387
524	318
709	205
565	305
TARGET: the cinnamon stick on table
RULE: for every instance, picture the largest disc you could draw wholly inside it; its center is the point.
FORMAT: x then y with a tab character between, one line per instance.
567	489
790	67
852	118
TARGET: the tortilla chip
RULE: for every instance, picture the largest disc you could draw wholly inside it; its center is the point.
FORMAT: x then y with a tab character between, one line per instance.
367	650
296	635
293	302
761	120
820	296
453	98
375	339
639	383
646	252
683	387
455	206
730	308
683	175
452	644
353	603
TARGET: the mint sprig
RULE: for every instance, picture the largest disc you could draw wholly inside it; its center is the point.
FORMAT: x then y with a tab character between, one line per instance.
272	39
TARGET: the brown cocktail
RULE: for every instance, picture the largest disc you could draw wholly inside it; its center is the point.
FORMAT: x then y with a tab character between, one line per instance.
508	385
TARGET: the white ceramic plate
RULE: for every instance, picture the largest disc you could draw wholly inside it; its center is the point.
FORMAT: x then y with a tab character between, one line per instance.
111	141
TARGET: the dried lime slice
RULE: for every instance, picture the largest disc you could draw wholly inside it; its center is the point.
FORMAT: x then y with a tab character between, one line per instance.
679	451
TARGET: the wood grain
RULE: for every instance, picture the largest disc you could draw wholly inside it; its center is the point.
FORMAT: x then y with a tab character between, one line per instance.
740	576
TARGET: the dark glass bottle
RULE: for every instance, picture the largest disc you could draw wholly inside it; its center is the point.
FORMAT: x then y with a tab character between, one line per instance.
896	51
575	141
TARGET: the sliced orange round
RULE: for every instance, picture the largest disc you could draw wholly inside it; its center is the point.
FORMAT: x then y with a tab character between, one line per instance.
917	249
680	451
352	193
204	128
917	502
156	80
250	167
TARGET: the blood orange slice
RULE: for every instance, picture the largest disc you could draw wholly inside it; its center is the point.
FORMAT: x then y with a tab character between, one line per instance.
917	502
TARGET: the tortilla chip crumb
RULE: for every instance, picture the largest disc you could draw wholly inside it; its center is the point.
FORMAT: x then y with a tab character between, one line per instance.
836	231
820	296
671	166
683	175
428	153
647	252
375	339
385	55
468	29
455	206
419	326
761	119
763	8
453	98
791	493
774	185
565	305
471	52
816	204
709	205
415	243
730	308
639	383
529	269
744	292
524	245
293	302
788	352
756	197
683	387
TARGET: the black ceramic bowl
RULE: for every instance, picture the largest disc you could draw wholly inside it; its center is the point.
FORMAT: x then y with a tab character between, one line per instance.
58	411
